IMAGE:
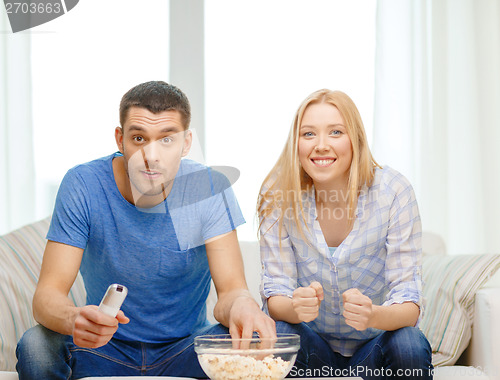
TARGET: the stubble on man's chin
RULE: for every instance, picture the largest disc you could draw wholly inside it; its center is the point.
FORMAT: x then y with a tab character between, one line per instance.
160	191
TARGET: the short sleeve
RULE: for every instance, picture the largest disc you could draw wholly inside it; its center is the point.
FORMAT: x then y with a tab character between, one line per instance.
70	222
221	212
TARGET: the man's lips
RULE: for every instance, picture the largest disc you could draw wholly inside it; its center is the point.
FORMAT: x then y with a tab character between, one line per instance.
151	174
323	161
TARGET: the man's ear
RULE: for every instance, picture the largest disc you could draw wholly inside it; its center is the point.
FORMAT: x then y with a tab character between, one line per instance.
188	140
119	138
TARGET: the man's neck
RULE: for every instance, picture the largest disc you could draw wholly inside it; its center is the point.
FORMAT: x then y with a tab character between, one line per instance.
148	201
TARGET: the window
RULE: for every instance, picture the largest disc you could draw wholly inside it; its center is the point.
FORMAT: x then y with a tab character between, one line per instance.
82	64
262	59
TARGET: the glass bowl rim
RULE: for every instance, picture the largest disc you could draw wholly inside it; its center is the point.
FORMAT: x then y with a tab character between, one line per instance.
280	338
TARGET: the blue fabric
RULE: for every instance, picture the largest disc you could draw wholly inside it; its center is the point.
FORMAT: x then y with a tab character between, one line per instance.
332	250
158	253
401	354
46	355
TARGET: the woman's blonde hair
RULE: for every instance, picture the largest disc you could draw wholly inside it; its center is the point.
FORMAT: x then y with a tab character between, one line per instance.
287	181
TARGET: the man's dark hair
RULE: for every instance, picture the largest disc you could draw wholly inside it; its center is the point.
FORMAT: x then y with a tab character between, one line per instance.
156	96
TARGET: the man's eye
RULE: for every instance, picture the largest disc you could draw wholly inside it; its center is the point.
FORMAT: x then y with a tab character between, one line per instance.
138	139
166	140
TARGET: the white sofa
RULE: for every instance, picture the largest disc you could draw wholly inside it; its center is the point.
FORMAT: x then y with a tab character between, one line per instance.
20	259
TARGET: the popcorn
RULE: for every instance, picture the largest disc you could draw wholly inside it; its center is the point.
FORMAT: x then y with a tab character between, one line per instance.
239	367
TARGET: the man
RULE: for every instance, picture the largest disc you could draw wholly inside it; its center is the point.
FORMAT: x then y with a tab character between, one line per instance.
157	224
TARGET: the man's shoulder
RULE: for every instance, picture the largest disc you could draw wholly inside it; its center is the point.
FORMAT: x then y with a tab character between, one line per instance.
201	178
190	166
95	166
88	175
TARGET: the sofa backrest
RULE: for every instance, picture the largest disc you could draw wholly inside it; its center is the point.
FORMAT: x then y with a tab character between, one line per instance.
21	254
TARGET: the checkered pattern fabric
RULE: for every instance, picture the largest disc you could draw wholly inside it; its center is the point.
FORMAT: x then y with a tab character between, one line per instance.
381	257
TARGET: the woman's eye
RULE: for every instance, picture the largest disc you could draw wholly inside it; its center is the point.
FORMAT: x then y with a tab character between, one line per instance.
307	134
336	133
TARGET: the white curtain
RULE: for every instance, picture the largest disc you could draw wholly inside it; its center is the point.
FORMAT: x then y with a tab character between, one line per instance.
17	201
437	113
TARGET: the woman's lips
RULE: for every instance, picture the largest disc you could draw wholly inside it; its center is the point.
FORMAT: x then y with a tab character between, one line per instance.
323	161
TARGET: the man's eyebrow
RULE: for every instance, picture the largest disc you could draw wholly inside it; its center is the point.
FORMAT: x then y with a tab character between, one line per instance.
170	129
164	130
136	128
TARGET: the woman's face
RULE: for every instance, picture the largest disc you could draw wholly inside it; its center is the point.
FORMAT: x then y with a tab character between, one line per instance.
325	150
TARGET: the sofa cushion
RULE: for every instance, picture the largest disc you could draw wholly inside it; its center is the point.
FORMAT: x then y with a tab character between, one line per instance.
21	254
450	286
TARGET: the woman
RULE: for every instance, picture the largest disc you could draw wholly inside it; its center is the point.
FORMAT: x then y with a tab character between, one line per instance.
341	249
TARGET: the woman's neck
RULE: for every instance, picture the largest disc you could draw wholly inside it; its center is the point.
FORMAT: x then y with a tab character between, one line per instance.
331	194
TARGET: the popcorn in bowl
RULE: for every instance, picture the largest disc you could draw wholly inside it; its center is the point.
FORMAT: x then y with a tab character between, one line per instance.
224	358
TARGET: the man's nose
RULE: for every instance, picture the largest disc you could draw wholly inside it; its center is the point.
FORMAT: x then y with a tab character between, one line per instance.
151	152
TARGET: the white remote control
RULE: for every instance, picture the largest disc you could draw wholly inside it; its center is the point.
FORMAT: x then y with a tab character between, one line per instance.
113	299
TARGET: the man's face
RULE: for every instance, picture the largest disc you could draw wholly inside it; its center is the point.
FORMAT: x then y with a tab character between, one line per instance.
152	147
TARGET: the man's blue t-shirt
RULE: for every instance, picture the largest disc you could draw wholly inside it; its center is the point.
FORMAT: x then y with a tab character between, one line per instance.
158	253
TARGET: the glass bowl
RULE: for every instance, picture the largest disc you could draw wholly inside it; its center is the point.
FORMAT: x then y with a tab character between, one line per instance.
224	358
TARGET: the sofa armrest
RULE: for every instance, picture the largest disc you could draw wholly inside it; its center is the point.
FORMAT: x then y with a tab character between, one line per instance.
484	349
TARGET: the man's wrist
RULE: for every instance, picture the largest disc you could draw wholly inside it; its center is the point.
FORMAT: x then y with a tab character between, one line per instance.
244	297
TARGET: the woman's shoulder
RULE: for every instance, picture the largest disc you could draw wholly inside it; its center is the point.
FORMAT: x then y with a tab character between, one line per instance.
270	185
388	179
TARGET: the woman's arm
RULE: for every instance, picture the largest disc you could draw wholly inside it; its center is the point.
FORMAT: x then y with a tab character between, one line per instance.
302	307
281	309
279	270
403	264
395	316
360	313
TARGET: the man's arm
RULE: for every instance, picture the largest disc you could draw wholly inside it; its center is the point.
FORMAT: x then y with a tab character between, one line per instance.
53	309
235	308
51	305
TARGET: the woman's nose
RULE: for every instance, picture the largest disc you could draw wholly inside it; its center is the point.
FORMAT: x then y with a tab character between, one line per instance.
322	144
